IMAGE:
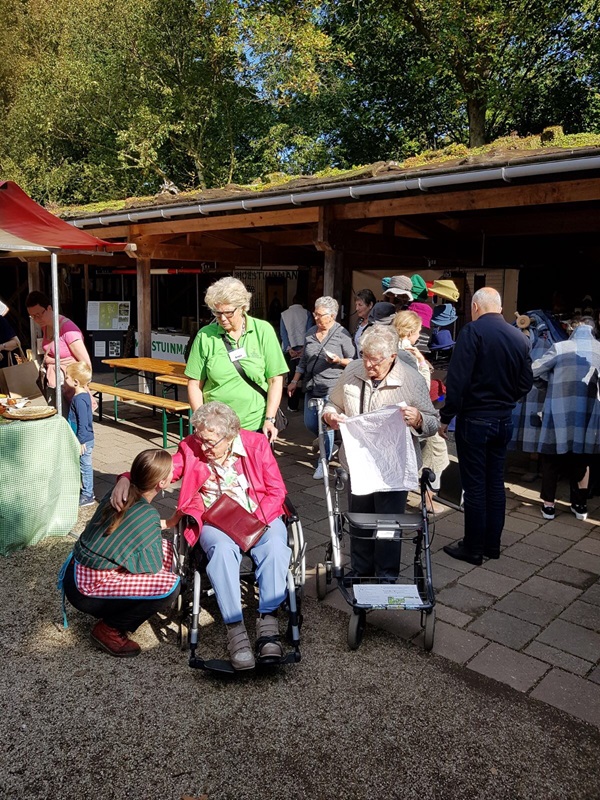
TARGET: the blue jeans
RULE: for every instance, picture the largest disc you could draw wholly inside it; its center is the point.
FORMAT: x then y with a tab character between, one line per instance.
87	471
311	422
481	448
271	556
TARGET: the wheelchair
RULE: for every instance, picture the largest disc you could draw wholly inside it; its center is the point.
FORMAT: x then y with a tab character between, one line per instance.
190	563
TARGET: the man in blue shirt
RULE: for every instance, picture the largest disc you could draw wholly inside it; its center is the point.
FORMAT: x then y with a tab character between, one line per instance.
489	372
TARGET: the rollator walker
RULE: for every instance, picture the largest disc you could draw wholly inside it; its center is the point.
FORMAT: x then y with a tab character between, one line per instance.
414	588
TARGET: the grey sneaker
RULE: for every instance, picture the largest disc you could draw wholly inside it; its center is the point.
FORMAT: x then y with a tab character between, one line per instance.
238	645
318	473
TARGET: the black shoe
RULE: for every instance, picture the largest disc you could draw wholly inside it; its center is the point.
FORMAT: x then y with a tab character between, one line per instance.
457	550
580	510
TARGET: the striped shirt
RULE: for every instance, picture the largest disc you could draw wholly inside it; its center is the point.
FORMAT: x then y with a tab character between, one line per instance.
135	545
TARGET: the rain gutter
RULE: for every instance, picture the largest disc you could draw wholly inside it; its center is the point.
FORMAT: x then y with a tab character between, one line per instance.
353	192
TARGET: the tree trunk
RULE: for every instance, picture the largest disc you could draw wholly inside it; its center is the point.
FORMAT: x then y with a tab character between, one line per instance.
476	109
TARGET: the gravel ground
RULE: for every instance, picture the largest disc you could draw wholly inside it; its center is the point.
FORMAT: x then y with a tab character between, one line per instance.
385	721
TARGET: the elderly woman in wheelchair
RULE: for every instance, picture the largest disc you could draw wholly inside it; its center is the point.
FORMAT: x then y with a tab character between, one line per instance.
220	458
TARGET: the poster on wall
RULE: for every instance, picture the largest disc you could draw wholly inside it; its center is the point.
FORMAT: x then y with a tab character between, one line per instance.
108	315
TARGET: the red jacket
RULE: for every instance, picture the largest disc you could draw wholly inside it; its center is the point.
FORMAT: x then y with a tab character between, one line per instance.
266	485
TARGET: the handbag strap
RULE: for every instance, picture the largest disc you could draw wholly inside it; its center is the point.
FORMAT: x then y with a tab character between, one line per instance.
218	478
241	372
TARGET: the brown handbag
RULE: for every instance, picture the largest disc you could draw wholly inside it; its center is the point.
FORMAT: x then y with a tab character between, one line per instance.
240	525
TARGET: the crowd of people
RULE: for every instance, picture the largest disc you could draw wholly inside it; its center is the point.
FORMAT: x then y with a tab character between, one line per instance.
237	367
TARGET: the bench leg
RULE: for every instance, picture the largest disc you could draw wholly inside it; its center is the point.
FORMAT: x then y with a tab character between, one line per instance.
190	428
164	427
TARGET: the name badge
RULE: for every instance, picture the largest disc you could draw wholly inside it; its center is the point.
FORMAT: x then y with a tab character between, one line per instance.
237	354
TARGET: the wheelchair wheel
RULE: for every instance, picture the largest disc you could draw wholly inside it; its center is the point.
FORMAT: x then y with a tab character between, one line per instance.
321	579
429	630
356	628
183	636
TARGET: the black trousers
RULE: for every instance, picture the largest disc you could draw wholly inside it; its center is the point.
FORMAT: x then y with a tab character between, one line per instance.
124	615
375	557
572	465
293	401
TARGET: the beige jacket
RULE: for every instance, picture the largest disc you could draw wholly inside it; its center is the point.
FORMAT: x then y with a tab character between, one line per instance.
400	385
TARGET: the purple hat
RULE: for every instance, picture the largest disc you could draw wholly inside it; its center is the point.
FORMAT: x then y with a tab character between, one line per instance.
442	340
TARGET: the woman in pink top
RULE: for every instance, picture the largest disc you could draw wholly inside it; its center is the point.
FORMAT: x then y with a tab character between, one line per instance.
71	344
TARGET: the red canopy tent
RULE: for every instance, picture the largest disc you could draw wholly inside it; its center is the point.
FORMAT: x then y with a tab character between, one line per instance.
27	229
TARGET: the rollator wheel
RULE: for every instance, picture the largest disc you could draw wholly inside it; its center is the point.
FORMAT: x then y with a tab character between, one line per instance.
429	630
356	628
183	636
321	579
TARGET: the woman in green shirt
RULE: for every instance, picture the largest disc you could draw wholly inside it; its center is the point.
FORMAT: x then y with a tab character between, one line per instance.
237	338
120	568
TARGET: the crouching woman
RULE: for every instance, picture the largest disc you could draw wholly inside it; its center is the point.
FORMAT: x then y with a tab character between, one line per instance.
120	568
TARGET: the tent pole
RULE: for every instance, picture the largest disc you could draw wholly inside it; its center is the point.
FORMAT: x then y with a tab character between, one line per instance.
55	324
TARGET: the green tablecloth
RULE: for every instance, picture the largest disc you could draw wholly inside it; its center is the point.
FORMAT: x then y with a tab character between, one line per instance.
39	481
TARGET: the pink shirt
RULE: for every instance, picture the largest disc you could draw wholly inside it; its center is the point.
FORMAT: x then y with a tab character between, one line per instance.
68	333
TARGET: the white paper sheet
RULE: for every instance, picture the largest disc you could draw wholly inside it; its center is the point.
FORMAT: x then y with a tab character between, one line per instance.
380	453
382	595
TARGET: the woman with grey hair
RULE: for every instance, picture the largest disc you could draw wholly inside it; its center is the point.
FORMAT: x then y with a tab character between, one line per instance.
328	348
237	360
220	458
375	381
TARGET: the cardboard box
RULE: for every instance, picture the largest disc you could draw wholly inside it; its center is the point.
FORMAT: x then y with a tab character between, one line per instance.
21	380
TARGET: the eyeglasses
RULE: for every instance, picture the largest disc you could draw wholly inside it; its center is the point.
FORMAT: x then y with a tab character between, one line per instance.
227	314
370	362
206	445
318	316
39	315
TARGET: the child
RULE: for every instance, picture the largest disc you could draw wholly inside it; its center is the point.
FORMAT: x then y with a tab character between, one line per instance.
78	376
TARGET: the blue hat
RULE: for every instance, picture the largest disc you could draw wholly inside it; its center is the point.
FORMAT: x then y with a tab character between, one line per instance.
443	315
442	340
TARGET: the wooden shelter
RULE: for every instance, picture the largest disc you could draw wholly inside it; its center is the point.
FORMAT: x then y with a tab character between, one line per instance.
509	211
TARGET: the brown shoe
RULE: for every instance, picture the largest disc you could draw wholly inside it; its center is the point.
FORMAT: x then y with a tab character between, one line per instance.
238	644
267	628
114	642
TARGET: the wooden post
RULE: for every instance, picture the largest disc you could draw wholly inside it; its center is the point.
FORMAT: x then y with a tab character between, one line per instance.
33	284
333	264
144	305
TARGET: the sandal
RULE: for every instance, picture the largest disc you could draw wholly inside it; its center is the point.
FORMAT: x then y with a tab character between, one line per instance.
268	640
238	645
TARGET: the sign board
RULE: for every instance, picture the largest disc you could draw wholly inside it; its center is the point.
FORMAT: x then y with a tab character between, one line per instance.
108	315
166	346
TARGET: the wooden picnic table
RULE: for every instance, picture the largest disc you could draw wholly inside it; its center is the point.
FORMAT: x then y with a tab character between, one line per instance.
148	366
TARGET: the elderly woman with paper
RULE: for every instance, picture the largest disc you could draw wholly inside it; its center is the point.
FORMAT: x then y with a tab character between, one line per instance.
382	407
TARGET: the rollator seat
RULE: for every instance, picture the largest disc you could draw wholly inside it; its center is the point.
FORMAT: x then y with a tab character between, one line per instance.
401	522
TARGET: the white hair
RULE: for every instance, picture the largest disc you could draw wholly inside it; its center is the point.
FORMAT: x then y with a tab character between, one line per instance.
331	305
487	299
380	340
228	291
218	417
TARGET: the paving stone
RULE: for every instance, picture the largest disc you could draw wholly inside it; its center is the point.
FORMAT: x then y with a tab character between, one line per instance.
451	616
439	542
569	575
489	582
550	590
581	560
517	670
554	544
533	555
453	643
592	595
312	511
584	614
450	529
510	537
511	567
504	628
570	693
588	545
572	638
442	576
558	658
464	599
558	527
452	563
522	525
531	609
595	675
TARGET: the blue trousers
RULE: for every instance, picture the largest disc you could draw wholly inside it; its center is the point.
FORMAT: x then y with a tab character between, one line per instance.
311	421
271	556
87	471
481	448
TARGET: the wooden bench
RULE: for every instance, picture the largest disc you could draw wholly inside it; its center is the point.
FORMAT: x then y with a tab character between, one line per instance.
165	404
171	382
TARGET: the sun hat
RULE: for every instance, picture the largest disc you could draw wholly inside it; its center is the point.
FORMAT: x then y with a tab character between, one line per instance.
441	340
424	310
419	288
443	315
400	284
385	282
383	313
447	289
